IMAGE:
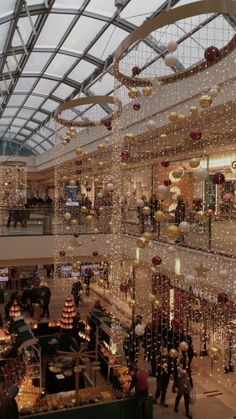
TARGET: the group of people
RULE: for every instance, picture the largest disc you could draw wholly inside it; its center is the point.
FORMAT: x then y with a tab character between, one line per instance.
19	213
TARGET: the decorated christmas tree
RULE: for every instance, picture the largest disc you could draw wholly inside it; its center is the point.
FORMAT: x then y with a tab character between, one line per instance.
68	314
15	309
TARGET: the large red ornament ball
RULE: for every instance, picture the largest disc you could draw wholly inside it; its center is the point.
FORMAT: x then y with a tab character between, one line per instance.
211	53
218	178
125	155
222	297
136	106
88	271
124	287
62	253
165	163
196	134
109	128
167	182
156	260
136	70
175	324
95	253
107	122
78	162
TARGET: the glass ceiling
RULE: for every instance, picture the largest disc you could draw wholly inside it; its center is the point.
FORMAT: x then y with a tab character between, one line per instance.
53	50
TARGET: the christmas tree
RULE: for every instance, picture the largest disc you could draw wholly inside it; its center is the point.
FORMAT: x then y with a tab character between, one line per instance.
15	309
68	314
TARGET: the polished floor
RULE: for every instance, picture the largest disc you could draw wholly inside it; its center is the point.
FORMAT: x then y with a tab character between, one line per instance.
215	391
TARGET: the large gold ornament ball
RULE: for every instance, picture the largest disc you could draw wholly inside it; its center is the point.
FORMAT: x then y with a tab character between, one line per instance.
131	304
110	225
181	118
129	138
73	134
152	298
159	216
72	182
136	263
141	242
79	151
148	91
68	132
173	116
75	267
214	352
101	147
74	222
201	216
193	109
133	93
93	238
173	353
157	304
183	346
146	211
84	209
205	101
147	235
177	173
173	231
194	163
89	219
64	178
163	137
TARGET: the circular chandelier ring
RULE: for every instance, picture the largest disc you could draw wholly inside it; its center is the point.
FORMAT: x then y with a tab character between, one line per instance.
88	100
167	18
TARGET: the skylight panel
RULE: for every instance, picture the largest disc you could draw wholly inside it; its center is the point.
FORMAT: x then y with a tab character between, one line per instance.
40	116
68	4
34	101
25	84
36	62
81	71
45	86
19	122
63	91
49	37
25	30
108	42
138	11
60	65
4	28
32	124
16	100
7	8
102	7
50	105
103	86
82	34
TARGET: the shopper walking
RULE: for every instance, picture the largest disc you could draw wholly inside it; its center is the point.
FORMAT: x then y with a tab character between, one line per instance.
76	288
140	382
45	296
154	205
182	384
163	376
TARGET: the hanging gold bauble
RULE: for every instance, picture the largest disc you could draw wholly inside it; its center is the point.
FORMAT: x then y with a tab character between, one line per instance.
141	242
157	304
201	216
64	178
193	109
181	118
152	298
153	269
79	151
215	87
68	132
146	211
129	138
131	304
101	147
177	173
205	101
110	225
123	165
159	216
74	222
84	209
73	134
173	116
136	263
64	142
163	137
133	93
148	91
173	353
173	231
75	267
89	219
183	346
93	238
214	352
194	163
147	235
72	182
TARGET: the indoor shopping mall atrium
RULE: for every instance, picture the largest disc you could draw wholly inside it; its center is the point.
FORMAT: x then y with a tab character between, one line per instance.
117	209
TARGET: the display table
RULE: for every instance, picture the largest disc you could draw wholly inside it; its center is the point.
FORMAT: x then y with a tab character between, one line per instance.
118	409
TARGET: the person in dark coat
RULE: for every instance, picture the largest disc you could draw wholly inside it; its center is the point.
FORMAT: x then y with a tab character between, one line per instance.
154	205
179	211
182	384
45	296
164	371
140	382
8	405
76	288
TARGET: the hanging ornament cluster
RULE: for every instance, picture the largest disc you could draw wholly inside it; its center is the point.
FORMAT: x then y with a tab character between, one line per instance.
68	314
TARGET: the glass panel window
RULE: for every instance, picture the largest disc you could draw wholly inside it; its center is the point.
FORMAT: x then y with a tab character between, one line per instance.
40	116
108	42
60	65
26	131
2	84
36	62
50	105
81	71
19	122
49	37
32	124
39	149
25	84
68	4
45	86
25	113
6	121
82	34
11	63
102	7
9	112
46	145
34	101
7	7
139	12
16	100
31	143
105	85
4	28
63	91
25	30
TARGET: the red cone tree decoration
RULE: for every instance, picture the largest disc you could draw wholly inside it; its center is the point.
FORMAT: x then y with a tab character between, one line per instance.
68	314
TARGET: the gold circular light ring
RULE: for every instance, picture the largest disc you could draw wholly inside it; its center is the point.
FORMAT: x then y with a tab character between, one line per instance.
167	18
90	100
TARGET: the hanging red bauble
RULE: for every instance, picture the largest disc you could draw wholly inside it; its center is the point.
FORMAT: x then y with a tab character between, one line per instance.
125	155
165	163
136	106
167	182
76	235
196	134
78	172
222	297
218	178
88	271
107	122
62	253
175	324
124	287
109	128
88	189
156	260
136	70
78	162
95	253
211	53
